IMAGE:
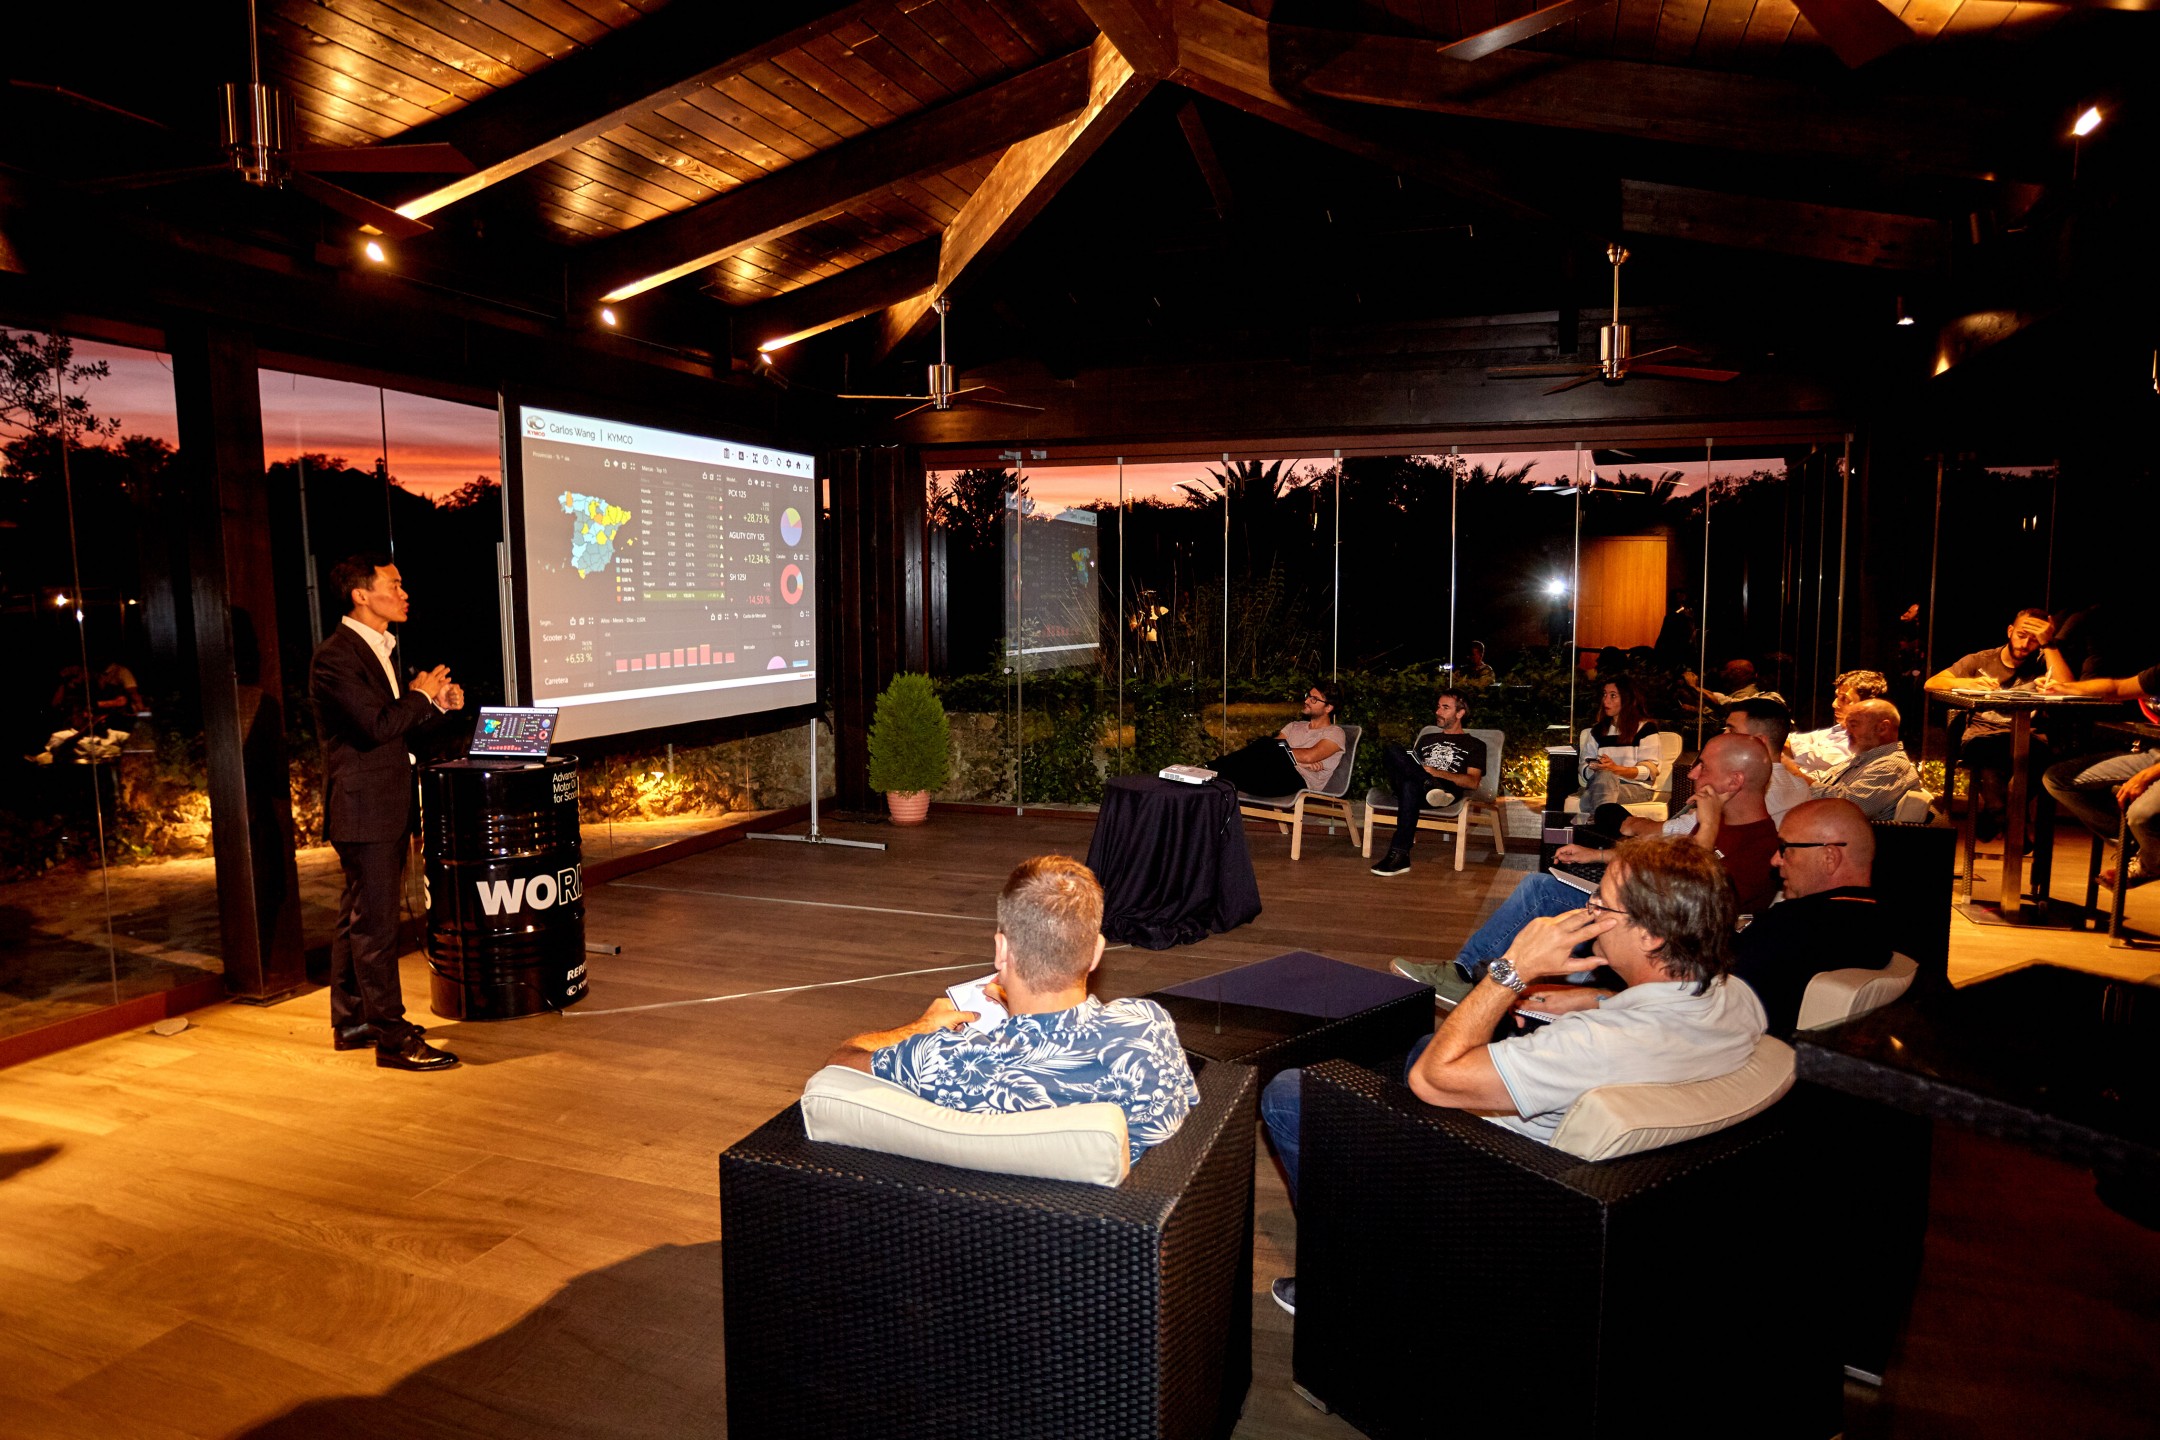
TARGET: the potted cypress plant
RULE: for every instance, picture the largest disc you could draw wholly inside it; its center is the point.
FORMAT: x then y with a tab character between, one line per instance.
910	747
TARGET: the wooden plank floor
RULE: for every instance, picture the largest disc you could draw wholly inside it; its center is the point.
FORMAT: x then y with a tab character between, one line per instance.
237	1230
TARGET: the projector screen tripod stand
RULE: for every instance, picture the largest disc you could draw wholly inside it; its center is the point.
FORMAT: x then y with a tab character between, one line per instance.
815	836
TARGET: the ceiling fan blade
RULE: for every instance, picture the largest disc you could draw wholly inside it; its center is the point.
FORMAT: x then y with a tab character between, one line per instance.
1682	372
999	405
917	410
884	397
359	207
1578	380
1676	351
1514	372
383	160
1514	32
1856	31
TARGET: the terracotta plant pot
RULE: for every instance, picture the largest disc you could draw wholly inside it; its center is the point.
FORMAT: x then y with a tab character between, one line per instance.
908	807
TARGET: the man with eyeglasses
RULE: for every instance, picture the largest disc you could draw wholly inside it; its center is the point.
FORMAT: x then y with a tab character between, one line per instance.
1300	756
1828	920
1663	921
1879	772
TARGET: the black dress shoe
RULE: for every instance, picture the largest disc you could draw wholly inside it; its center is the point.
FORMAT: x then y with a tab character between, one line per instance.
411	1052
363	1036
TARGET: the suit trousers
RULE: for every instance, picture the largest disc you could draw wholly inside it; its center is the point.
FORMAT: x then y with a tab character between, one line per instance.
364	950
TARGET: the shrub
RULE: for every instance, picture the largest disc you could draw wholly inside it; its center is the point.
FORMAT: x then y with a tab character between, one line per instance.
910	739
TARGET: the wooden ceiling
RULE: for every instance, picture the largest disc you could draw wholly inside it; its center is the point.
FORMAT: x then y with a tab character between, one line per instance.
744	174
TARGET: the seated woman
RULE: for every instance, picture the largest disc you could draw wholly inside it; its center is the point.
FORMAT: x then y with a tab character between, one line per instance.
1611	770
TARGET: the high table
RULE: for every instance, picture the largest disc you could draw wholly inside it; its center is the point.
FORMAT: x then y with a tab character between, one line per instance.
1172	861
2061	1061
2021	706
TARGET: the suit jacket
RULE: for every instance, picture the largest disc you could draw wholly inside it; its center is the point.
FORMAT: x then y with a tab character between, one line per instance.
366	739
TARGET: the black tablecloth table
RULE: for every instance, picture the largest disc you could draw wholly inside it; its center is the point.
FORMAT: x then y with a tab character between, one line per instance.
1299	1009
1172	861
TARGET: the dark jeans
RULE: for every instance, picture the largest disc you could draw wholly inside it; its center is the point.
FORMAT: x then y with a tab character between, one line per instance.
1410	781
1282	1107
1262	768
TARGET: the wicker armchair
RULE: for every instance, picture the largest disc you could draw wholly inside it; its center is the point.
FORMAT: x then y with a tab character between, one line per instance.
1455	1278
870	1295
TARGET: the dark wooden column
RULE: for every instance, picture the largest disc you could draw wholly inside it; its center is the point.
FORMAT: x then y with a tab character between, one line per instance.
234	608
880	619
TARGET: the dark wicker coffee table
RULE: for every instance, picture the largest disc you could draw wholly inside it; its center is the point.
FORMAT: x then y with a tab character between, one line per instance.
1299	1009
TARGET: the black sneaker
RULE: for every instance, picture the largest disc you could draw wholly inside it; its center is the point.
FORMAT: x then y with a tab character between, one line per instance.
1392	863
1284	1290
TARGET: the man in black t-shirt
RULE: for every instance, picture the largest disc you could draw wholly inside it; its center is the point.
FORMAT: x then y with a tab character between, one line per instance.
2098	788
2027	655
1442	766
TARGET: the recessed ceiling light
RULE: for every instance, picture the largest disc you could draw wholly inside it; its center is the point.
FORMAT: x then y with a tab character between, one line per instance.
607	315
374	251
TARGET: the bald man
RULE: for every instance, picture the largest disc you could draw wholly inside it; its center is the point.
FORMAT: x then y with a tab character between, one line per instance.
1828	920
1880	772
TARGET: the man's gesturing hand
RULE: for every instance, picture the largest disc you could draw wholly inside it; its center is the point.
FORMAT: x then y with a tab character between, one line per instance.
431	682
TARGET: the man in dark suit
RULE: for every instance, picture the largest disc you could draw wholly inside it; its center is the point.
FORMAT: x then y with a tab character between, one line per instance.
368	716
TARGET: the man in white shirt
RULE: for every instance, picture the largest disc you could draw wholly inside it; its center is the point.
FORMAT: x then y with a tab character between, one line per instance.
1663	920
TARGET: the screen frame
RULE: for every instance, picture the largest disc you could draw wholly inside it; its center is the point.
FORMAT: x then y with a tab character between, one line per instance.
518	659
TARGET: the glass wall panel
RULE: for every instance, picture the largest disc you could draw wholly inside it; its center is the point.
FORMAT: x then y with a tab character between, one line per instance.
105	889
1062	632
969	547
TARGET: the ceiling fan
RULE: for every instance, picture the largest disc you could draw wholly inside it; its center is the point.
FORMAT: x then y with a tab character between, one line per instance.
1615	362
942	396
255	124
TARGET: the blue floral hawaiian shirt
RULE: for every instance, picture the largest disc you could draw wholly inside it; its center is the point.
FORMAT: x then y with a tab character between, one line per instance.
1125	1052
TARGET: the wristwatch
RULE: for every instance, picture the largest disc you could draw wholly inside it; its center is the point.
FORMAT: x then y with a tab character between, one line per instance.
1503	970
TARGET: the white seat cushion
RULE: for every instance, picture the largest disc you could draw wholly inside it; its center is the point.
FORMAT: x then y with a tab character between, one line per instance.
1087	1143
1835	996
1616	1120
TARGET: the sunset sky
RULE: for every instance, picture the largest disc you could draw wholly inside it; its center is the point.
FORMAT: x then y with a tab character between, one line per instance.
434	445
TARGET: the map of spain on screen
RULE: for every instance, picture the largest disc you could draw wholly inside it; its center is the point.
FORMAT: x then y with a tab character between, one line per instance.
594	521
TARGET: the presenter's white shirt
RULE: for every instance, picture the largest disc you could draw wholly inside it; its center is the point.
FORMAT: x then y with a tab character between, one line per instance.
1659	1033
381	642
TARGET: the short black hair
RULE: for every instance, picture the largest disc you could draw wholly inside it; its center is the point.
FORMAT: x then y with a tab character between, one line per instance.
356	572
1332	692
1765	713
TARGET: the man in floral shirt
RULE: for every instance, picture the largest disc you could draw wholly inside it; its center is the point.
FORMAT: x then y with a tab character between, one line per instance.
1059	1045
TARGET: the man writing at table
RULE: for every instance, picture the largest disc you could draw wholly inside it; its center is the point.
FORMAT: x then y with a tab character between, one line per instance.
2099	789
2027	654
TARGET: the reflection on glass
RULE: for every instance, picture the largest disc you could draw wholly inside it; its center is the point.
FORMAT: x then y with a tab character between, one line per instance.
104	835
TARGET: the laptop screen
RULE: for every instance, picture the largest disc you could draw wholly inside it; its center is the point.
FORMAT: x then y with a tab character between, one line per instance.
512	734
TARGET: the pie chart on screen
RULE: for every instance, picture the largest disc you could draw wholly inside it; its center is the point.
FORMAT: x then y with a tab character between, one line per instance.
791	584
776	663
791	525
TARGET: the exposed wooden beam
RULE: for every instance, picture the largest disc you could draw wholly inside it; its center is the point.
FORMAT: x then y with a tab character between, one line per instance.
1022	183
1857	31
1788	227
1755	113
1224	54
652	62
1142	30
855	292
1202	146
829	182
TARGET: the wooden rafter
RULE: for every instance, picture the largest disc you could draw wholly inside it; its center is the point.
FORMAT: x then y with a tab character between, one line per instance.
827	183
652	62
1022	183
1202	146
1788	227
855	292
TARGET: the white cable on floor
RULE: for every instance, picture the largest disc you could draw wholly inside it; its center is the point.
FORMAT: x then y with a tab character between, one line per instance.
783	990
818	904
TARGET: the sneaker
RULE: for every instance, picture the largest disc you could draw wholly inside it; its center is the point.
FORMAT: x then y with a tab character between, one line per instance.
1446	802
1392	863
2138	873
1285	1292
1449	983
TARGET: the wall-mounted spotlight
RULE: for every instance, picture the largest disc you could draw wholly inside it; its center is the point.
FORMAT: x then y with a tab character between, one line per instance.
374	251
607	316
1556	587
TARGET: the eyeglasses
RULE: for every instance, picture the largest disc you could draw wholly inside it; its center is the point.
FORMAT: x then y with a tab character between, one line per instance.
1604	909
1785	845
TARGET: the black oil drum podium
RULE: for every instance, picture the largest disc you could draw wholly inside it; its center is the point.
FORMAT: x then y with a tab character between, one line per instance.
505	888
